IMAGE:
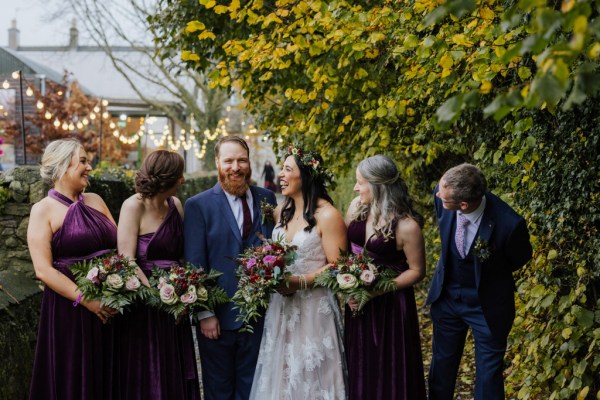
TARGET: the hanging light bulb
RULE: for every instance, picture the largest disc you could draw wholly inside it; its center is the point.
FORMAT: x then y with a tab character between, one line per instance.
92	116
39	105
65	126
79	125
16	74
105	103
116	133
105	115
29	91
71	127
5	84
85	121
111	125
56	123
96	109
48	115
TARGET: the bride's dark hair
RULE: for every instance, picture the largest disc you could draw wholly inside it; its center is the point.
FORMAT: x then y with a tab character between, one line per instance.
313	188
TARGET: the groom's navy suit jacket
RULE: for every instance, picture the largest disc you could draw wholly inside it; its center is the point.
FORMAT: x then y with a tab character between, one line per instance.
507	238
213	239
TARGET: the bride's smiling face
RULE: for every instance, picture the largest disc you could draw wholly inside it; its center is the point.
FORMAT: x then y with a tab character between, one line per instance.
289	177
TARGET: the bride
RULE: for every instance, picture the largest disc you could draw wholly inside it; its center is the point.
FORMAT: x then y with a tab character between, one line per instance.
301	353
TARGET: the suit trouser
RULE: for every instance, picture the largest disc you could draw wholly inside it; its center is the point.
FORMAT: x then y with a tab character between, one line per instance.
228	364
453	315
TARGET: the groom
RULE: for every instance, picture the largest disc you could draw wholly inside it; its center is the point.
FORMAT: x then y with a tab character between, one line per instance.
219	224
483	242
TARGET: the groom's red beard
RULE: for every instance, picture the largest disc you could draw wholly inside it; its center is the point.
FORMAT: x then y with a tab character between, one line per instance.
236	188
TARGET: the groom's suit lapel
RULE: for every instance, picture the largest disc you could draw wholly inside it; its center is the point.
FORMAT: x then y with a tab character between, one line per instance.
257	226
445	233
484	233
226	212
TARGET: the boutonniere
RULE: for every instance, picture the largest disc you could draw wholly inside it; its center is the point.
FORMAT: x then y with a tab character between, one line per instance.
267	211
482	249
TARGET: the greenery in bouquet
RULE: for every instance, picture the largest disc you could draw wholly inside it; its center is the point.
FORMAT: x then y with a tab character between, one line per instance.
356	276
260	270
185	290
112	279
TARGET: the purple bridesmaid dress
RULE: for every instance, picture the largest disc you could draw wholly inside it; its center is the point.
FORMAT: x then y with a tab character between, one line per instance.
154	355
383	346
69	360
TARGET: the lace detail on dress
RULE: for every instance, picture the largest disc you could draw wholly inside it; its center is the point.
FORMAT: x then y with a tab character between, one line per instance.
301	354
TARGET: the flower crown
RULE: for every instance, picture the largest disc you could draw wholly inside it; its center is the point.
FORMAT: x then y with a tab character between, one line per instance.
317	169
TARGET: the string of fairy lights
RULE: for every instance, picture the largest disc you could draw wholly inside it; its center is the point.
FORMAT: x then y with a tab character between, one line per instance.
162	139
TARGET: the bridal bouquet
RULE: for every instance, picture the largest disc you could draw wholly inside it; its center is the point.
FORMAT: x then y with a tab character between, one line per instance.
184	290
112	279
355	275
260	271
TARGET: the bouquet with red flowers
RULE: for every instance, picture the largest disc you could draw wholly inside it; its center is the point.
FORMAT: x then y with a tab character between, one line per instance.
184	290
112	279
260	271
355	275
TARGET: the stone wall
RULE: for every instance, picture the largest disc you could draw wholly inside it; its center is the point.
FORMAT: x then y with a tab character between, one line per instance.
20	293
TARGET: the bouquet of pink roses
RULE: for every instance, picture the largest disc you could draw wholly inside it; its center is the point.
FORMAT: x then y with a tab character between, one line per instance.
184	290
356	276
260	271
112	279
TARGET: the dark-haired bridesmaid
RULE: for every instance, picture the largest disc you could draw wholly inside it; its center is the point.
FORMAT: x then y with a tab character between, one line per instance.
154	353
65	227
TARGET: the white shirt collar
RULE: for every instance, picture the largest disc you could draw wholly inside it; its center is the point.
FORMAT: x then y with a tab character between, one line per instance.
474	216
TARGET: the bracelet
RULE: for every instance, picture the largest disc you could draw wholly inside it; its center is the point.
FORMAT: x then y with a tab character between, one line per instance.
302	282
79	297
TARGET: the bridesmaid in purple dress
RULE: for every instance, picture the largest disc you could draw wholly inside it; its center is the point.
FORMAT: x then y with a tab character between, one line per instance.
65	227
383	345
154	354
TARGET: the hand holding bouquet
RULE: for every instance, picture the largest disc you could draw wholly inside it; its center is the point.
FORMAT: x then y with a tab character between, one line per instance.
185	290
112	279
260	271
356	276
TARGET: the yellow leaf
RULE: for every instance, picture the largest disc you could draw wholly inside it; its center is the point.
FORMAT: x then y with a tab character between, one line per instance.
446	72
583	393
567	5
234	6
552	254
324	105
187	55
206	35
347	119
581	24
446	61
566	333
221	9
194	26
462	40
208	3
487	13
266	76
594	51
361	73
486	87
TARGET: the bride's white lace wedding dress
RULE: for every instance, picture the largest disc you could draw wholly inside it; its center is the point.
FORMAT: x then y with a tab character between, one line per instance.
301	353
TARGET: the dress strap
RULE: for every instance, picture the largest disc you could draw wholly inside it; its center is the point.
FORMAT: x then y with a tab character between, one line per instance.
62	198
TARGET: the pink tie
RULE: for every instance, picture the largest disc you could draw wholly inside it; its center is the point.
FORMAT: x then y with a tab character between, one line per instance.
459	238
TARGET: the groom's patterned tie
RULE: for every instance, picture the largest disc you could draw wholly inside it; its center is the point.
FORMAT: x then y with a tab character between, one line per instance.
459	238
247	224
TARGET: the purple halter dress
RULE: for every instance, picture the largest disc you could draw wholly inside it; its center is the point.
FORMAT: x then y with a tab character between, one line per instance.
154	355
383	346
70	363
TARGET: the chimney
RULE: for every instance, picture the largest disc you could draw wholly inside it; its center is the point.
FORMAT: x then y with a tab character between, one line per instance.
73	35
13	36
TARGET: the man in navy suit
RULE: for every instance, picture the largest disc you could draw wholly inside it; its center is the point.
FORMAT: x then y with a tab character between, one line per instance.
483	242
219	224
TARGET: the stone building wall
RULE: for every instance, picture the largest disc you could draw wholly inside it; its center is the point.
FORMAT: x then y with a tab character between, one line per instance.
20	293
